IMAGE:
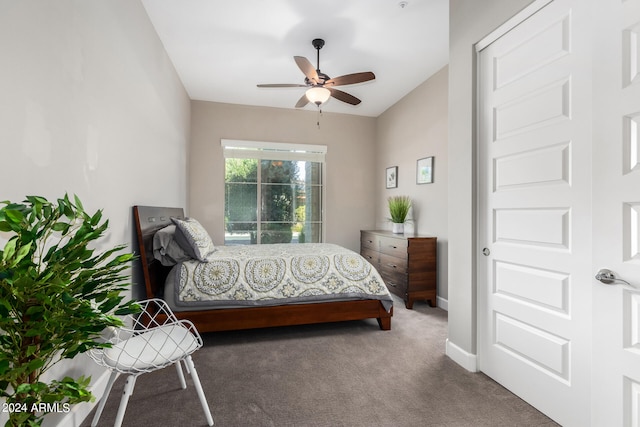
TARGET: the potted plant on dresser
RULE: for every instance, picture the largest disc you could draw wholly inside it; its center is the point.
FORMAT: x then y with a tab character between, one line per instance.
399	210
57	294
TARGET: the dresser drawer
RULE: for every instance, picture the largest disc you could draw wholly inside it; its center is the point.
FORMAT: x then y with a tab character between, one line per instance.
393	264
369	240
393	247
393	276
396	282
370	255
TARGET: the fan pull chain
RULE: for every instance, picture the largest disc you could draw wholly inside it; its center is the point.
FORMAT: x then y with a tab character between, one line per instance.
319	115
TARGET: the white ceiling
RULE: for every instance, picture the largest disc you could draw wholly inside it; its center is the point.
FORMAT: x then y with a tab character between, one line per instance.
223	49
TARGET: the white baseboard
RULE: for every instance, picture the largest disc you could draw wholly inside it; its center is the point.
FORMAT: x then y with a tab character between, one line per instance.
463	358
79	412
442	303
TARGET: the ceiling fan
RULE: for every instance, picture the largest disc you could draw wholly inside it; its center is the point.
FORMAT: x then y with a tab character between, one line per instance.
321	86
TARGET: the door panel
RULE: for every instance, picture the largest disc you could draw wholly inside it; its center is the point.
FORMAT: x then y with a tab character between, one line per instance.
534	212
548	290
523	169
616	212
533	346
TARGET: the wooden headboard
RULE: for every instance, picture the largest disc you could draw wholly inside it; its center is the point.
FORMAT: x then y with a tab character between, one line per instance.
150	219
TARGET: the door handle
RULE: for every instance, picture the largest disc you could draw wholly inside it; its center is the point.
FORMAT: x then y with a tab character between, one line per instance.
608	277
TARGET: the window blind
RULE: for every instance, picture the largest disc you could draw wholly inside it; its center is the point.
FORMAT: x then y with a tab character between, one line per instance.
235	149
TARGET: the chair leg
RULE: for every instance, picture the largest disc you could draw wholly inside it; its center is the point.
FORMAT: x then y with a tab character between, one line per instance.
105	396
183	383
124	401
196	383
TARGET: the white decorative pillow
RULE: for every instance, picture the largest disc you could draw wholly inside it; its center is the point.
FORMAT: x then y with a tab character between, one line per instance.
193	238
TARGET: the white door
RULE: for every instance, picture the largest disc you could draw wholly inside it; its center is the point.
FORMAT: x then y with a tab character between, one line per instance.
616	214
534	205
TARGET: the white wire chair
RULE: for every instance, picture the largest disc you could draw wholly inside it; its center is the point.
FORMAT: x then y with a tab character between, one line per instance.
155	340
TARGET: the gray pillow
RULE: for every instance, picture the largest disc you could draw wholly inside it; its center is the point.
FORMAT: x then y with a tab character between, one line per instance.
193	238
166	249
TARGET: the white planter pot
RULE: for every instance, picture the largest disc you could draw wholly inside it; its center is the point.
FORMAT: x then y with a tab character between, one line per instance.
397	227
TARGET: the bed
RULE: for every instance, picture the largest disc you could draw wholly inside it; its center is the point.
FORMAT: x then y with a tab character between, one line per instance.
306	308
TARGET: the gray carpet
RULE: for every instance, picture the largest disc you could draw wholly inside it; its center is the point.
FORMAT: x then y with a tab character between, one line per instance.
341	374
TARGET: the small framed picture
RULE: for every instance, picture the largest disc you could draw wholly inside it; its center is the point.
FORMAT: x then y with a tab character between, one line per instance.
424	171
392	177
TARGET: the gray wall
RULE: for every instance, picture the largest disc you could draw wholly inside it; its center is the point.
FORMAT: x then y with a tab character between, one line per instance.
413	128
469	22
89	105
350	155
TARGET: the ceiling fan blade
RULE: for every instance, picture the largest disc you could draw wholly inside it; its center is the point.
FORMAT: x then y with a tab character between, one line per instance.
281	85
302	101
349	79
306	67
344	96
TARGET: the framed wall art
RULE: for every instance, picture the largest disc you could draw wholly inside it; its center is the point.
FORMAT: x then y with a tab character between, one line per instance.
392	177
424	171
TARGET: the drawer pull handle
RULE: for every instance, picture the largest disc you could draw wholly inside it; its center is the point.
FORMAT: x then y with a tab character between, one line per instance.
392	265
391	284
393	247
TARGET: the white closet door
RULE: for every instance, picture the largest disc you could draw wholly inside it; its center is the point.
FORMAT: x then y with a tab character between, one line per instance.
534	198
616	213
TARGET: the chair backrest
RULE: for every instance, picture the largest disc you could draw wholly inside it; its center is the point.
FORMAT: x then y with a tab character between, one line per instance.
151	339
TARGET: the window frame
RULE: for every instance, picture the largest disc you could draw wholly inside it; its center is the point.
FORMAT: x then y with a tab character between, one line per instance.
262	150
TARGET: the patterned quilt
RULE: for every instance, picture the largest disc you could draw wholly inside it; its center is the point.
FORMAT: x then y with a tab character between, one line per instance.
254	275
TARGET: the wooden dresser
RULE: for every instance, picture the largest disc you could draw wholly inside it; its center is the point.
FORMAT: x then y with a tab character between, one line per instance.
406	263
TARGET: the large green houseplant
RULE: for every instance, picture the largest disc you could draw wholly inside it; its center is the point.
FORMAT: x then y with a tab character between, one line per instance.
57	294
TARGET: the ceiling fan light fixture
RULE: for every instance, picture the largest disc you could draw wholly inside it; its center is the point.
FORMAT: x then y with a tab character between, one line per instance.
321	87
318	95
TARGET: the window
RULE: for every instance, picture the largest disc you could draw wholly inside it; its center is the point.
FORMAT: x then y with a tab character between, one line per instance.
274	192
